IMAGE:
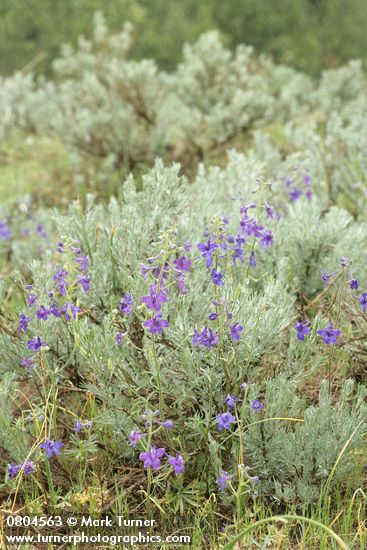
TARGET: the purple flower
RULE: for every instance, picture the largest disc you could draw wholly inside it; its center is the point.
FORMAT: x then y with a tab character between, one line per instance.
52	447
55	310
212	316
307	179
157	324
288	182
223	479
363	301
41	231
183	264
84	282
244	209
166	424
23	322
155	299
60	278
177	463
269	211
256	405
32	299
329	335
207	250
119	338
60	275
161	272
326	278
249	226
181	284
217	278
252	259
231	401
224	420
70	311
266	239
134	437
144	270
28	467
60	247
235	331
302	330
4	231
126	304
83	261
26	362
353	284
13	469
152	458
187	246
295	194
206	338
255	480
78	426
35	344
42	313
237	255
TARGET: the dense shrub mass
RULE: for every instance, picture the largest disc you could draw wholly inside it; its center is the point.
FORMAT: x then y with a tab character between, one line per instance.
193	346
307	34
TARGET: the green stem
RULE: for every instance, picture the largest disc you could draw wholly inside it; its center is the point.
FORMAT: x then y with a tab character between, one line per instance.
284	519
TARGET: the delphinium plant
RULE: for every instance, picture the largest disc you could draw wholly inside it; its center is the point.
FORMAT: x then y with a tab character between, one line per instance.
193	351
171	364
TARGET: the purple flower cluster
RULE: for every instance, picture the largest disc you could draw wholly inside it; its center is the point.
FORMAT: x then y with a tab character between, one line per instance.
68	309
226	419
329	335
28	468
298	185
152	459
175	269
165	272
206	338
218	243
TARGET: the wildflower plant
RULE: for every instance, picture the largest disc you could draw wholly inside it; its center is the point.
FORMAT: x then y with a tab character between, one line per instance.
200	333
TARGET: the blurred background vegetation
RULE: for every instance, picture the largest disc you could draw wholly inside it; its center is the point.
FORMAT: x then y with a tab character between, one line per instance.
307	34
